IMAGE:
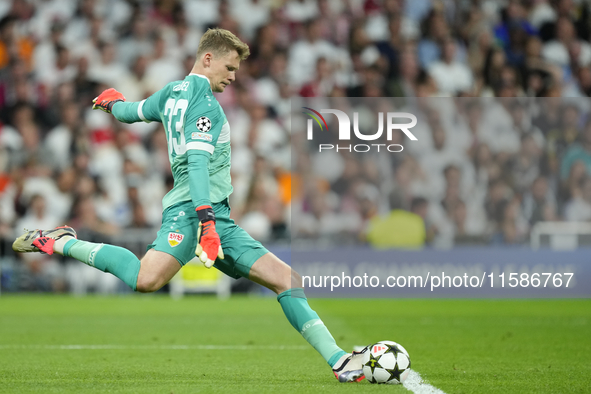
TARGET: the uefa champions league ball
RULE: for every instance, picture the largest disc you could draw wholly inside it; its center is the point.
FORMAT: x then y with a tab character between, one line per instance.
386	362
203	124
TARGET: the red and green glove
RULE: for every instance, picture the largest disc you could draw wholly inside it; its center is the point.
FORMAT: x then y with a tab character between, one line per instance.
209	245
107	99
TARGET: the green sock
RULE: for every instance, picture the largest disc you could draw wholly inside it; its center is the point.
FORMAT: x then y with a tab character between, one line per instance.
107	258
306	321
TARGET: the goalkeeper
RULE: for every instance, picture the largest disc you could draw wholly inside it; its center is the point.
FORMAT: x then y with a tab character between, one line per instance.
196	214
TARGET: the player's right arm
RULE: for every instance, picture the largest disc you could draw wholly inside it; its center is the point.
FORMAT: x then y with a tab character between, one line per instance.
113	102
208	240
200	146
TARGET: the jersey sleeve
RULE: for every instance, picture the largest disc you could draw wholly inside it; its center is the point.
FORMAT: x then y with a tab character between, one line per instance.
198	178
203	125
147	110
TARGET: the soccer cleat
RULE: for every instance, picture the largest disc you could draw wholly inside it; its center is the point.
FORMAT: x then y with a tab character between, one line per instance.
41	240
349	368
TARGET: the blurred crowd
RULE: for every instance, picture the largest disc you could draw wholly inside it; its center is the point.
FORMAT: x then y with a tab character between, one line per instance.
61	162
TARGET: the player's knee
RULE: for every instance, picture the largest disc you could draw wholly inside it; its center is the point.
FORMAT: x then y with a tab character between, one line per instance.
296	279
148	284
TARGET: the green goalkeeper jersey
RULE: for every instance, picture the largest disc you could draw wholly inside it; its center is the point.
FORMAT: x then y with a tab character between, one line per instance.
198	136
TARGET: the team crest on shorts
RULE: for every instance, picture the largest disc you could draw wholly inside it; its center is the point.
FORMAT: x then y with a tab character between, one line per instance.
203	124
174	239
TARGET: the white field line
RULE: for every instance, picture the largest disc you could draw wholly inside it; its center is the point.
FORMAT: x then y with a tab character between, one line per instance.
151	347
417	385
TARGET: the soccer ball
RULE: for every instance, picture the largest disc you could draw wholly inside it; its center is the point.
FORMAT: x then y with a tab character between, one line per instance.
386	362
203	124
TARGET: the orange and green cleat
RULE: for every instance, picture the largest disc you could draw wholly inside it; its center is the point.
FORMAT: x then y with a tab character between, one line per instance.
349	367
41	240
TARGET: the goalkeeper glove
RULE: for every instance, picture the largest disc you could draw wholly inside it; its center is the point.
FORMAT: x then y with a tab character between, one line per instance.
208	241
107	99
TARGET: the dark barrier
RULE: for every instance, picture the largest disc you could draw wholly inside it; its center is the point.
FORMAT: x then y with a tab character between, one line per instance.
473	272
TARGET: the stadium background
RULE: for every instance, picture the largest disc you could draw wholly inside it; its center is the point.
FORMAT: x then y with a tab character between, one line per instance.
61	162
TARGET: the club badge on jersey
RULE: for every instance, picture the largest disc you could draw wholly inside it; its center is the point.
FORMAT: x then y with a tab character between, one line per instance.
174	239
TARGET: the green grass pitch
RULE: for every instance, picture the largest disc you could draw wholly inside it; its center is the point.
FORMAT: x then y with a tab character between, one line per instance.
153	344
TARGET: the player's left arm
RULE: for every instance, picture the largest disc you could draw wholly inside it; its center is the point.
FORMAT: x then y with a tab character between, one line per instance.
202	131
113	102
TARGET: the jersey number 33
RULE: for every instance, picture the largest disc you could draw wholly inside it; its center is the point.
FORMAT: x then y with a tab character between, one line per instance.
176	138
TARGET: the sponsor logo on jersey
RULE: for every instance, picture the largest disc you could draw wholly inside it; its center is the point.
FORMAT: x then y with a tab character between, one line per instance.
175	239
201	136
203	124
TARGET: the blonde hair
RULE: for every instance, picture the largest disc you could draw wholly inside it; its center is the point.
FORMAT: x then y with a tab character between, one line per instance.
220	42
